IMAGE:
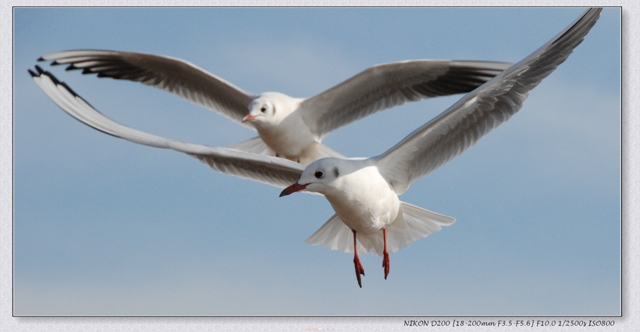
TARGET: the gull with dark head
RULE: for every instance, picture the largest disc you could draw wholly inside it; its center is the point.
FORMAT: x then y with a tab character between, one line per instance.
289	127
369	217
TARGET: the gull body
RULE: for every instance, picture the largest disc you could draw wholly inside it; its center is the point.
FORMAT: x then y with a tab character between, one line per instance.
359	195
364	191
285	129
289	127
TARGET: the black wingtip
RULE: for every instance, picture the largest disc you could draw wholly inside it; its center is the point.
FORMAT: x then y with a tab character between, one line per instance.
591	14
72	67
60	83
70	90
53	78
41	59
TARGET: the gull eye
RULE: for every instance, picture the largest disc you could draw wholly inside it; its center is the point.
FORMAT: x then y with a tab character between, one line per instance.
263	109
318	174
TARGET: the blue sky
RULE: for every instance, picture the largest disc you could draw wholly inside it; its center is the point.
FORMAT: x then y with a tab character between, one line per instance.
103	226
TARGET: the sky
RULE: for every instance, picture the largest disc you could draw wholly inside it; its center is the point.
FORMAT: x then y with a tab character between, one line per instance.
103	226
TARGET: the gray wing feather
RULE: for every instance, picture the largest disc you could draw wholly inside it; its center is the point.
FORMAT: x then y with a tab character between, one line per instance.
388	85
271	170
172	75
476	114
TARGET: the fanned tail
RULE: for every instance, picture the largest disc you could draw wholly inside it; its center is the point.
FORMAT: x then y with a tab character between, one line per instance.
413	223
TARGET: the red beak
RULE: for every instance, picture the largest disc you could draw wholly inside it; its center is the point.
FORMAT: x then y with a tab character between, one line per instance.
293	188
248	117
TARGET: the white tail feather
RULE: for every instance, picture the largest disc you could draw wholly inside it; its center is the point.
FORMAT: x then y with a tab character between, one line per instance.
413	223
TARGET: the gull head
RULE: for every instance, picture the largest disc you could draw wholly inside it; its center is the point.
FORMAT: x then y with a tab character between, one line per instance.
320	176
331	176
270	108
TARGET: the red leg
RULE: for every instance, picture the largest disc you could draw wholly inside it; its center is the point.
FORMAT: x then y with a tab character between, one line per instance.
385	258
356	260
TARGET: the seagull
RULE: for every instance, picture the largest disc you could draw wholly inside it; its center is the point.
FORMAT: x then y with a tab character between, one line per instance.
289	127
369	217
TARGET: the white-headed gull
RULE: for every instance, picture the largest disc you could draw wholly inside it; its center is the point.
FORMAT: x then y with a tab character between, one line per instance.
289	127
364	191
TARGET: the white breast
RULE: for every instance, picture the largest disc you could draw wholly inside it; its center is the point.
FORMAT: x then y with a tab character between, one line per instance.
364	201
290	138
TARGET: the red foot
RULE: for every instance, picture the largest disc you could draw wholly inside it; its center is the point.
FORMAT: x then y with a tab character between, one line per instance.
359	269
385	264
356	260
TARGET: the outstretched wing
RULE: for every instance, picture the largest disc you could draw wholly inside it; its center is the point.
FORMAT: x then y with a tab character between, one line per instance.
384	86
278	172
172	75
473	116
